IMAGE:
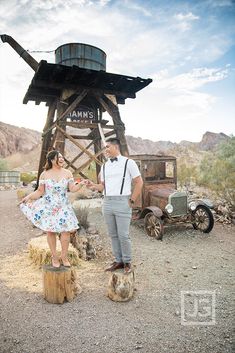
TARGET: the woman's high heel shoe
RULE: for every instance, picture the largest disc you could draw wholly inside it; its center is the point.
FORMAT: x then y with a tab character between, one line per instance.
65	262
55	262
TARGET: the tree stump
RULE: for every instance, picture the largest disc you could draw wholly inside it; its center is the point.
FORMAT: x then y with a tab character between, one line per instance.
121	286
59	284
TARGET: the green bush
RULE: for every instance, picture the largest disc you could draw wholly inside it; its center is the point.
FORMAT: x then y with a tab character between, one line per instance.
3	164
27	177
217	171
186	173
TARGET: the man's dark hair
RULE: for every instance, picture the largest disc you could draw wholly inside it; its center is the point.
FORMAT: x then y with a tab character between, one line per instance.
114	141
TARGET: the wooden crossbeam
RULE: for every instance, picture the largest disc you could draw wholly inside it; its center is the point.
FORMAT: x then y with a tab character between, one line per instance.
78	144
84	165
69	164
81	137
72	106
102	135
80	154
80	125
119	126
110	133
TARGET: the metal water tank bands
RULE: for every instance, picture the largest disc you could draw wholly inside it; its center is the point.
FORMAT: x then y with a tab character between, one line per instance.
83	55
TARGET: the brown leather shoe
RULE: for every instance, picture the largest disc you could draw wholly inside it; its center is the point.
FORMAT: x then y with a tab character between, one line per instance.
115	266
127	267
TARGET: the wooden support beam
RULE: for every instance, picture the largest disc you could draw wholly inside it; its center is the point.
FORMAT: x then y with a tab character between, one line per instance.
46	141
72	106
81	137
69	164
83	125
78	144
119	126
97	148
59	136
79	155
110	133
84	165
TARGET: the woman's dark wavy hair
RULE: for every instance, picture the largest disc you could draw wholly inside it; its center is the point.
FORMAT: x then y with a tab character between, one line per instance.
50	156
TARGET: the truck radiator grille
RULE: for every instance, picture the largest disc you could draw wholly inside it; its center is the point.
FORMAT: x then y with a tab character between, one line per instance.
179	203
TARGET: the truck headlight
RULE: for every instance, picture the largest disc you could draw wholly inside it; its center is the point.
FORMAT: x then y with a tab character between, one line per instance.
169	208
192	206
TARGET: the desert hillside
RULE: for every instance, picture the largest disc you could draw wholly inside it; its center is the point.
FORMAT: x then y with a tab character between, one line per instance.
21	147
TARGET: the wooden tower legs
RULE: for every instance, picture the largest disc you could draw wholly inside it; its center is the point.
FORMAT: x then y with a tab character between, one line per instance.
54	132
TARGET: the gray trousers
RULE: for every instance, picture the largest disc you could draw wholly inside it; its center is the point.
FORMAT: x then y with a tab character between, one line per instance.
117	215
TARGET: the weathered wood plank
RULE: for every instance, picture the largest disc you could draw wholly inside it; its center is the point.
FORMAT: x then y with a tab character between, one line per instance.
72	106
79	145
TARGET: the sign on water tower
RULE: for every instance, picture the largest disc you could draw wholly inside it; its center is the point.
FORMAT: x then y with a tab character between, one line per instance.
82	113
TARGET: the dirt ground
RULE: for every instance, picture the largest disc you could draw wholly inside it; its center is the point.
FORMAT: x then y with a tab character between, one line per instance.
160	318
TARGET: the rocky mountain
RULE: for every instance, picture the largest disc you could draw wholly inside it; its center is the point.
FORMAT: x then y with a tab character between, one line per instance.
210	140
21	147
15	139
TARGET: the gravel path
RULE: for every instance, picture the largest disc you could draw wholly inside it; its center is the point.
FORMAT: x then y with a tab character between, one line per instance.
185	260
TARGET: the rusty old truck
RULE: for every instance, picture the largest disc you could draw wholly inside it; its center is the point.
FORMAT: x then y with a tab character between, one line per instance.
161	203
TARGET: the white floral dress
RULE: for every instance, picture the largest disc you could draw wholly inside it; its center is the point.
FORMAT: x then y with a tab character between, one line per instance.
52	212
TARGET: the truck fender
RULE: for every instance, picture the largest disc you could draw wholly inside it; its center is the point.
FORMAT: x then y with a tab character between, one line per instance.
156	211
204	202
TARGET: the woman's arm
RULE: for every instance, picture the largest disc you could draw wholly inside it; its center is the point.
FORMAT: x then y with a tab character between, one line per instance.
34	195
73	186
98	187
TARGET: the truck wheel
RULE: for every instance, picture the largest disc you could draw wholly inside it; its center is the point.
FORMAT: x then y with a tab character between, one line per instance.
202	219
153	226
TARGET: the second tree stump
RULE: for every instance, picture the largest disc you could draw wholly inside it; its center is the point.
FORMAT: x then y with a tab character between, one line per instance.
59	284
121	286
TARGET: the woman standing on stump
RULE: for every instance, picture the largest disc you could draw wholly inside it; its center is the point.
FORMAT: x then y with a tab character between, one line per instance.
49	209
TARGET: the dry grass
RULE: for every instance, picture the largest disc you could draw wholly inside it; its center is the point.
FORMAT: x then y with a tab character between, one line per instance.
21	193
82	216
40	253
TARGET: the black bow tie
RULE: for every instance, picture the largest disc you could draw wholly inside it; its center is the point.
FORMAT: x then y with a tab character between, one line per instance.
113	159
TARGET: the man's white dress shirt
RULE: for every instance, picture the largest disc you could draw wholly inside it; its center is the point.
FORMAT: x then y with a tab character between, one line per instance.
114	172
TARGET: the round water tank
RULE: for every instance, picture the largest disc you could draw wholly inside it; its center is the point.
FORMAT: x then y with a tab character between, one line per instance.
83	55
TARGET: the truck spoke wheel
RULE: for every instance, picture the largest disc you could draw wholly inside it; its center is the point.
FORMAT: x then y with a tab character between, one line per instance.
203	219
153	226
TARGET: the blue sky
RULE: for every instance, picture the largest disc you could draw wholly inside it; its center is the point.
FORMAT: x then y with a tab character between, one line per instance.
186	47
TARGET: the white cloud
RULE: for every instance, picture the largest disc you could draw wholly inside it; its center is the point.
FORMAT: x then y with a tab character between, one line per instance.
187	17
184	20
134	6
190	80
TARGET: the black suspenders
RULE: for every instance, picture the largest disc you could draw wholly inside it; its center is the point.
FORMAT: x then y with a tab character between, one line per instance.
123	178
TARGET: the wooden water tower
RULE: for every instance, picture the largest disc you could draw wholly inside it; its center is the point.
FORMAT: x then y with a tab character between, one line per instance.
78	90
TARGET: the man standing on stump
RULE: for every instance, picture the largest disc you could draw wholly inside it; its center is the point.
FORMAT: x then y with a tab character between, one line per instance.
116	178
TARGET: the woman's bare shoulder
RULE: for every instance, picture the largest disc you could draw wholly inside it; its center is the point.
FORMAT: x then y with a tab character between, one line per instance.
67	173
43	175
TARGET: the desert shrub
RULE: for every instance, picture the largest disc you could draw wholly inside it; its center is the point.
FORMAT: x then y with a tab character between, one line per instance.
3	164
217	171
186	173
27	177
82	216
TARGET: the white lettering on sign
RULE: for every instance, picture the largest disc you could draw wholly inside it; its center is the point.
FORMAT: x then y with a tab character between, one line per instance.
82	113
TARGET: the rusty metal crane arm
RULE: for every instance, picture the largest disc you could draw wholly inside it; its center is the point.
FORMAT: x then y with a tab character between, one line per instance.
21	51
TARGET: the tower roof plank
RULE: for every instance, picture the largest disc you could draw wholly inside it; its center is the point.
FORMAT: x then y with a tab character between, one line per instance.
50	79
